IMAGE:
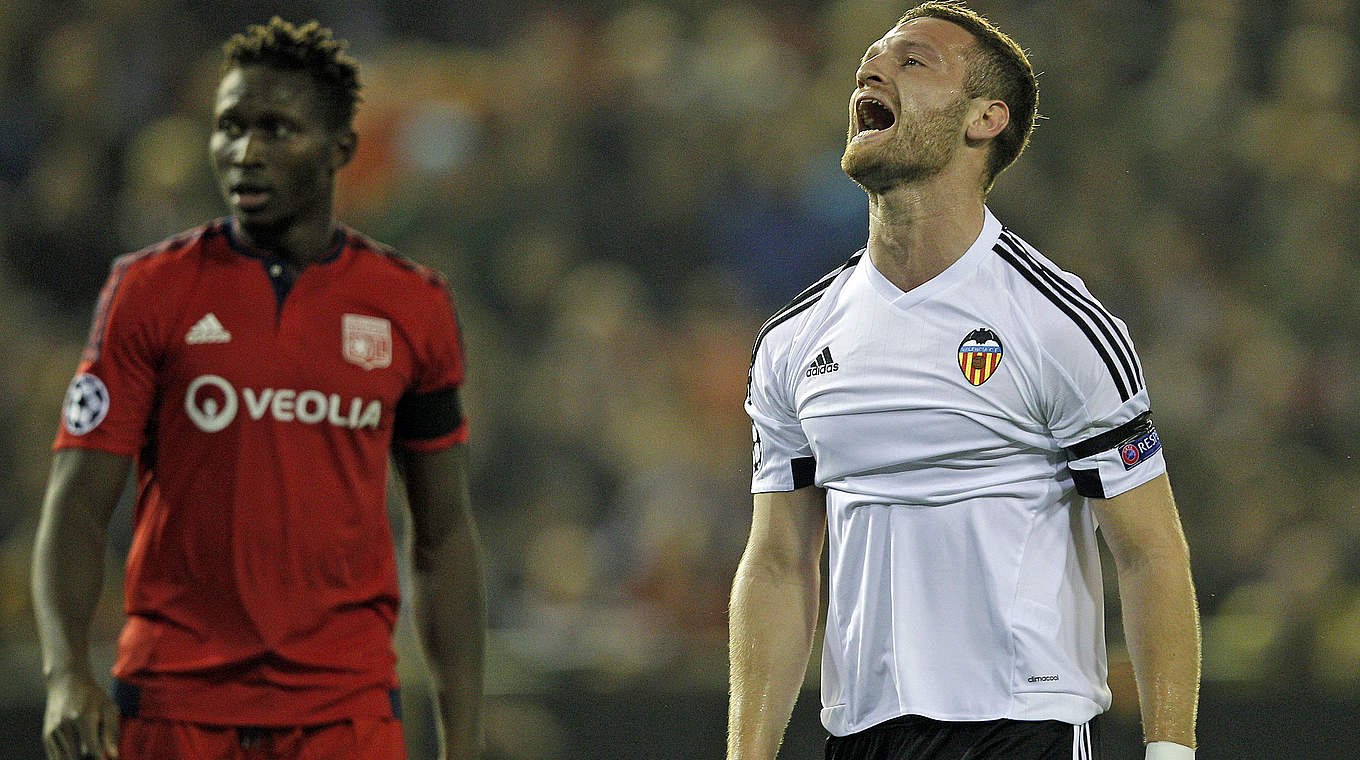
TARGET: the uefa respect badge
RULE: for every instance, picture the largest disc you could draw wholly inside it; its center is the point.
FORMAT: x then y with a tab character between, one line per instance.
1139	448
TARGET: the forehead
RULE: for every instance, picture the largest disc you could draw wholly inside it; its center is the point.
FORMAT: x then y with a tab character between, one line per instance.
945	39
267	88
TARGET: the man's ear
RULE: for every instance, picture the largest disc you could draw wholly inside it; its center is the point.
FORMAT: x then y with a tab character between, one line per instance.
990	121
346	141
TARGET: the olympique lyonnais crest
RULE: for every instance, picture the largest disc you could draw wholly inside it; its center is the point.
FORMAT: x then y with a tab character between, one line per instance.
366	341
979	355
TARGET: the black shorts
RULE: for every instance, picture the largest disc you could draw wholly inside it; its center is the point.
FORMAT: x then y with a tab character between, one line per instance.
912	737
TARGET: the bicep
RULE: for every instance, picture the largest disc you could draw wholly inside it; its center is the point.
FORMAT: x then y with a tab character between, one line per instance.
84	486
1142	523
437	492
788	527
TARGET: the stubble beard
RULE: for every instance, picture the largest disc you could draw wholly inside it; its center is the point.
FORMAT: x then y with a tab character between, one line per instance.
916	152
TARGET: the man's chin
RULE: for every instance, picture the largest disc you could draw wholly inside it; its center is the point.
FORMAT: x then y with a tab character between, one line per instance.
263	215
258	224
879	174
873	174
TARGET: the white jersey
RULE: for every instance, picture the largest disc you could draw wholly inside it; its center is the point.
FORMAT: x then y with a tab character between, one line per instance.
958	430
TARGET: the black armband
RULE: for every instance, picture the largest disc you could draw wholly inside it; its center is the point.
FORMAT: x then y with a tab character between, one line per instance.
425	416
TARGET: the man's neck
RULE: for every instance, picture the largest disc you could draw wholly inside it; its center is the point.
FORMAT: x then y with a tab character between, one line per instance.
299	244
917	231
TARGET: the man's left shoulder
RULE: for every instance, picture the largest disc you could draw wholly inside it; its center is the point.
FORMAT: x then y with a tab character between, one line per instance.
1065	321
1050	297
383	261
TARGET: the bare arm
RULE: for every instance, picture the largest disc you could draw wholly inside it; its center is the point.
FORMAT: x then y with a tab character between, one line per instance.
68	574
1161	620
775	599
449	597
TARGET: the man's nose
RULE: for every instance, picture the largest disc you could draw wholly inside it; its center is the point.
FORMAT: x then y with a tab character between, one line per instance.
868	72
246	149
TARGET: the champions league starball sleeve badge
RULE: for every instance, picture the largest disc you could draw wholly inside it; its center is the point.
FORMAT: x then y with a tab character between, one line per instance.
86	404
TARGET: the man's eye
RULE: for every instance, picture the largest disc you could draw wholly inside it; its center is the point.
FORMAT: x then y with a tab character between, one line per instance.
276	129
228	127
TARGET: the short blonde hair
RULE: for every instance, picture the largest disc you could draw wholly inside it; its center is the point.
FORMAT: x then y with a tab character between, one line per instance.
1001	71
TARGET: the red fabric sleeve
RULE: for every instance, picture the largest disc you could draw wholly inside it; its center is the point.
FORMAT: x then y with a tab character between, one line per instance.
109	400
430	417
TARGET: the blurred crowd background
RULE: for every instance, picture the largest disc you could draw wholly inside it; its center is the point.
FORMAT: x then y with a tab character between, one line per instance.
622	190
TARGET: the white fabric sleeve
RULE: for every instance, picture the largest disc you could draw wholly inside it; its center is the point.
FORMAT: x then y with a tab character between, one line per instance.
1168	751
781	458
1099	409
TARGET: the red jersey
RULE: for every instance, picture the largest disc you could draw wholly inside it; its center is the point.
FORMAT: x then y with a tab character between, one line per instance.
261	584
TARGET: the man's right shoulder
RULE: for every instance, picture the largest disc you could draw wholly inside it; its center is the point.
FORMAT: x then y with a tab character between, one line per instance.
791	314
175	251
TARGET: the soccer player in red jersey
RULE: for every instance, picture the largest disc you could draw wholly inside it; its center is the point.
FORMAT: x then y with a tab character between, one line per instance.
259	371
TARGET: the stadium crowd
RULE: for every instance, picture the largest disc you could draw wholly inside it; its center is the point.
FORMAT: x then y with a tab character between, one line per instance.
620	192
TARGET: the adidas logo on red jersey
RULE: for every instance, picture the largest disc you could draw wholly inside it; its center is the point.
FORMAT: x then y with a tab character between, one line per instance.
207	330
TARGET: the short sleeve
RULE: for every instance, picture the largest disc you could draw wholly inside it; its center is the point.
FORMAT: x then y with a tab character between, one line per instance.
429	416
1100	412
782	457
109	401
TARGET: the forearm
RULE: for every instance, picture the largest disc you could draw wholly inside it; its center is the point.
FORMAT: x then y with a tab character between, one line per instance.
67	578
449	607
1161	626
773	617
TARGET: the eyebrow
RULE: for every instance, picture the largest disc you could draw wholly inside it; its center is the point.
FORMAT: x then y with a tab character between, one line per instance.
916	46
900	45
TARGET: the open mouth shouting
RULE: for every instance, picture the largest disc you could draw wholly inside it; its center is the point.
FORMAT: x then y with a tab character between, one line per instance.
872	116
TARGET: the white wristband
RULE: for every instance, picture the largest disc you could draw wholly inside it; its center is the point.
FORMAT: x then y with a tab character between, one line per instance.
1168	751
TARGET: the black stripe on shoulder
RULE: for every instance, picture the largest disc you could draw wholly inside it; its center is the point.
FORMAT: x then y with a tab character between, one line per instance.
801	302
1064	307
826	280
94	343
811	293
1122	382
359	241
1099	315
1140	425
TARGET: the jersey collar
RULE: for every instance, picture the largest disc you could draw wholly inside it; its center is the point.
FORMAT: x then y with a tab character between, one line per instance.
951	276
230	226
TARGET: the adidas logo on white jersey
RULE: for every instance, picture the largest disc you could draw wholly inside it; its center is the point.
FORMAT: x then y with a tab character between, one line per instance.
822	364
207	330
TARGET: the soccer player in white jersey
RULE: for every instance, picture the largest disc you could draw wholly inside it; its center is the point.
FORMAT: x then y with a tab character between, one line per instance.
955	416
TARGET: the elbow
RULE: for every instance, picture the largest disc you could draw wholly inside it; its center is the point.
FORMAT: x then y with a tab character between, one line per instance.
1169	553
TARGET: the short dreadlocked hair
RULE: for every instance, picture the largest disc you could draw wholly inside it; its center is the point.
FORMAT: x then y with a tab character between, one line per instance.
310	48
1000	70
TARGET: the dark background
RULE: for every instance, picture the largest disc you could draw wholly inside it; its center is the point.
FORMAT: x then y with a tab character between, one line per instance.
620	192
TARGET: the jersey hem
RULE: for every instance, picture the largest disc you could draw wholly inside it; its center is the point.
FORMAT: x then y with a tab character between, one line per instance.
1068	708
235	704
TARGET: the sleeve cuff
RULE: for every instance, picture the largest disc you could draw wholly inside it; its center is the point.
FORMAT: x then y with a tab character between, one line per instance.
67	441
1168	751
460	435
